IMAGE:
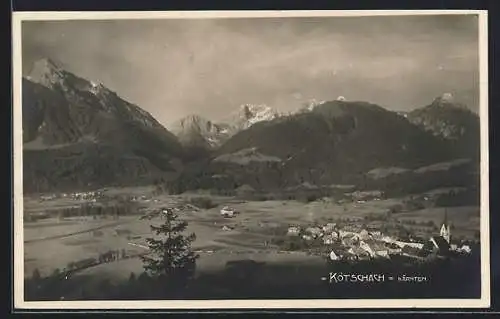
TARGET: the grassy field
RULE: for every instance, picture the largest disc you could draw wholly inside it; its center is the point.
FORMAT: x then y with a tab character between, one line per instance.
51	244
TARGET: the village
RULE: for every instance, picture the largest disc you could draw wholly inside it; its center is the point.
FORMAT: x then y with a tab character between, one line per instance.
353	242
92	196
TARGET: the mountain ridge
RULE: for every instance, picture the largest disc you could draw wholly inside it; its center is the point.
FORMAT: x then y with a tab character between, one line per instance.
80	133
65	114
337	142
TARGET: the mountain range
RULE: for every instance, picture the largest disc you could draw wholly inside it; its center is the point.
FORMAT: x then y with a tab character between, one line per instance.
197	133
78	133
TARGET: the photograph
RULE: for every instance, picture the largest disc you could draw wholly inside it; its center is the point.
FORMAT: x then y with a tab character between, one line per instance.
250	159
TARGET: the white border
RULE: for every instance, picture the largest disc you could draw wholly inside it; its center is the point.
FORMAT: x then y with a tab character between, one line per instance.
19	302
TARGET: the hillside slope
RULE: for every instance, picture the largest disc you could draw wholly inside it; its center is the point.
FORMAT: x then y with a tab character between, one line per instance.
71	127
336	142
452	121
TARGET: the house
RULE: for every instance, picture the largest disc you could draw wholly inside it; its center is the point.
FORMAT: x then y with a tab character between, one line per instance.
227	212
307	237
410	251
343	233
352	228
166	211
335	235
377	248
382	253
363	245
328	240
403	244
392	248
364	235
376	234
314	231
293	231
387	239
334	256
226	228
359	253
439	244
329	227
465	249
350	240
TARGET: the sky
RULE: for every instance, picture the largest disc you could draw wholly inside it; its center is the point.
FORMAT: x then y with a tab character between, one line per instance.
176	67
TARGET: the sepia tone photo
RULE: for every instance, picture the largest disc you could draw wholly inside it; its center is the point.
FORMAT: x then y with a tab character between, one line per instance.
241	160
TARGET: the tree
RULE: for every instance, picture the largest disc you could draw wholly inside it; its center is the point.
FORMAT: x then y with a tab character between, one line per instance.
171	259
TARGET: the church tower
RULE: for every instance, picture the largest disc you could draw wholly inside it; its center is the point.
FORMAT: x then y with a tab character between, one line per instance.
445	228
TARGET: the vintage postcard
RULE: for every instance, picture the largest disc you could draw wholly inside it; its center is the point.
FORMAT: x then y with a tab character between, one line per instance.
277	159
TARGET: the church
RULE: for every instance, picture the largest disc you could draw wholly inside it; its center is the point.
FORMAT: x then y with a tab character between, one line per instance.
445	231
440	244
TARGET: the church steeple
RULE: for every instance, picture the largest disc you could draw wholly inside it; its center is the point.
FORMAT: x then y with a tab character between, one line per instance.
445	228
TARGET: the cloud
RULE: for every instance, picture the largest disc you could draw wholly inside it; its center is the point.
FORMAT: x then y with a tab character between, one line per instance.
177	67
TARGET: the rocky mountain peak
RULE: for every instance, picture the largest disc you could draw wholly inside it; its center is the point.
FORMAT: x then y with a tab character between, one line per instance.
46	72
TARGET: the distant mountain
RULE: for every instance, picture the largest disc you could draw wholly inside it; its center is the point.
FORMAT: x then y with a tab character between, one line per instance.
77	133
309	106
197	133
335	142
248	115
452	121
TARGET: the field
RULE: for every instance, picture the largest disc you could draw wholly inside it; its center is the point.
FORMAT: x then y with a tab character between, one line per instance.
53	243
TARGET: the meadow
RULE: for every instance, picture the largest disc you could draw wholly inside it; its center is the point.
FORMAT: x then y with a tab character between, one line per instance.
53	243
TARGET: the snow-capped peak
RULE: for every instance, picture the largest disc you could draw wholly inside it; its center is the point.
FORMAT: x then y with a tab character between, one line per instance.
310	105
95	88
313	103
250	114
448	97
46	72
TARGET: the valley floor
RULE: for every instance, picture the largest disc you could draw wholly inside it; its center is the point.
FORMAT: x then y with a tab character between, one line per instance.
54	243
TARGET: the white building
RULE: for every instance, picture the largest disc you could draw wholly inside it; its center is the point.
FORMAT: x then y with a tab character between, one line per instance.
329	227
402	244
445	231
364	235
366	248
227	212
293	231
382	253
307	237
328	240
465	249
314	231
333	256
